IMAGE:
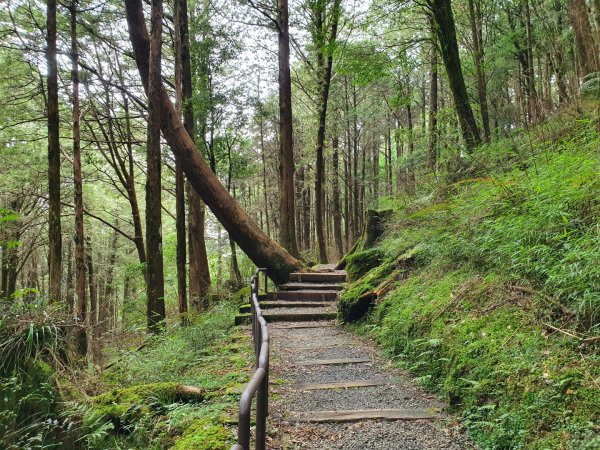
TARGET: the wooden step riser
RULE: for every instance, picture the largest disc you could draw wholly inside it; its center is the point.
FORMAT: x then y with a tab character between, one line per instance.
318	277
307	296
364	414
285	304
299	317
311	287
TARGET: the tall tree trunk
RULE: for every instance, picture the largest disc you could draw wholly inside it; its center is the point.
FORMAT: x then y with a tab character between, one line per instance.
586	49
477	35
70	300
446	31
264	168
287	209
54	225
181	257
198	258
90	323
337	218
78	191
262	250
596	9
324	69
433	109
132	191
410	173
106	310
356	186
155	288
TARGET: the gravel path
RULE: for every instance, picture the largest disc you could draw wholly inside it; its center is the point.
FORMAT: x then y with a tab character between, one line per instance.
292	346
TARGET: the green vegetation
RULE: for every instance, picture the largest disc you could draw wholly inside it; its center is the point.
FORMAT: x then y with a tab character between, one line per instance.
178	391
501	316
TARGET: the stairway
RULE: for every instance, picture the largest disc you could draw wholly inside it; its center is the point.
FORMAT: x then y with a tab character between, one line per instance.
307	297
333	393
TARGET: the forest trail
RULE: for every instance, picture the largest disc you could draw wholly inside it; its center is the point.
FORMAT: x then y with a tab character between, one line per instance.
329	390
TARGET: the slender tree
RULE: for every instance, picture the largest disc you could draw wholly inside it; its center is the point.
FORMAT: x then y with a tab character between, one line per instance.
584	40
54	223
478	57
287	208
155	289
78	191
323	43
179	176
433	109
446	33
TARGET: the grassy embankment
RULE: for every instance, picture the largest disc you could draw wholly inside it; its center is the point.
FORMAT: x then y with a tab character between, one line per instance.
487	289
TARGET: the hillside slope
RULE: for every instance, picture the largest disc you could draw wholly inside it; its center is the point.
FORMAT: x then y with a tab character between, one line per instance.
487	288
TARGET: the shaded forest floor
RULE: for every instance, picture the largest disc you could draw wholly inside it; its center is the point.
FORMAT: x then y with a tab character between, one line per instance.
486	288
181	391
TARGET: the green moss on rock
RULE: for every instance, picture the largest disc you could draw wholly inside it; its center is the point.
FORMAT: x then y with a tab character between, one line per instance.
358	264
358	298
204	434
126	406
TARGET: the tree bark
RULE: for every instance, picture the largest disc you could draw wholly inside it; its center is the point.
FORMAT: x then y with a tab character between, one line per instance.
263	251
155	289
78	191
337	218
477	35
433	109
323	44
54	225
91	319
287	209
446	32
198	259
180	12
586	49
106	310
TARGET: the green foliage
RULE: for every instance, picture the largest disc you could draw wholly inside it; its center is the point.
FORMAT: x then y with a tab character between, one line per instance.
500	256
208	354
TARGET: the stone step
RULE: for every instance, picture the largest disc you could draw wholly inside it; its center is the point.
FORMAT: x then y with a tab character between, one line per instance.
322	277
286	304
295	286
363	414
313	295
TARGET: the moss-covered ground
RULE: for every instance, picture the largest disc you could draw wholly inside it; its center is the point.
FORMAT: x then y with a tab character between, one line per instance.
501	314
146	399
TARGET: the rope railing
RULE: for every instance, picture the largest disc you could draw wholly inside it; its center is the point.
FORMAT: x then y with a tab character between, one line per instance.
259	384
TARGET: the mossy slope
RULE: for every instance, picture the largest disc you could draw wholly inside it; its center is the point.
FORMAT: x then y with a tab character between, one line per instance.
505	260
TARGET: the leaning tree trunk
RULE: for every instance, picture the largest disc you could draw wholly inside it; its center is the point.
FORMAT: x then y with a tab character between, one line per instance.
262	250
